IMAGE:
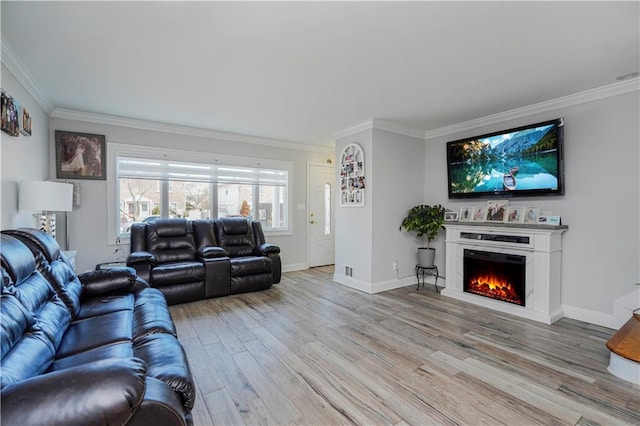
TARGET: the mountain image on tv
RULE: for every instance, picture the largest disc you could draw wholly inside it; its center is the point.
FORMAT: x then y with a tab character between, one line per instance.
524	160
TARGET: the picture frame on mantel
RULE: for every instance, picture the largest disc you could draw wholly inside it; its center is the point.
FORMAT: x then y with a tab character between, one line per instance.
80	156
496	211
531	215
515	214
466	214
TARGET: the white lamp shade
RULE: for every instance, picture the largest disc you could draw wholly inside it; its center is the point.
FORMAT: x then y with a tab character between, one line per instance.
45	196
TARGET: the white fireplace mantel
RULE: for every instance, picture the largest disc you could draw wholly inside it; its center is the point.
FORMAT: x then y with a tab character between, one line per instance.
540	244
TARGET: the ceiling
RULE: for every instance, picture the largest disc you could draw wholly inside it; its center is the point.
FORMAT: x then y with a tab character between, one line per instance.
302	71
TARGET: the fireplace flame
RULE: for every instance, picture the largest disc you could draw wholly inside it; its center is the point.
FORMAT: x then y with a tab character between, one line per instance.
495	287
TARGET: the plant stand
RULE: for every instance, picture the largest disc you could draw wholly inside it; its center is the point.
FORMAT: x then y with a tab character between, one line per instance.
427	270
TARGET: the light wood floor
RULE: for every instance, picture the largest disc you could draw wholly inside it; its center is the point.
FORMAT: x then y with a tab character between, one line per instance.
313	352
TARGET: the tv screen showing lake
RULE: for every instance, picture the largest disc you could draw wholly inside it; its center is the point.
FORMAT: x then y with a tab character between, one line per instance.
537	173
522	160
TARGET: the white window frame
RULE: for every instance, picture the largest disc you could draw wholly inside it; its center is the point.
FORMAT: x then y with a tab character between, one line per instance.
115	150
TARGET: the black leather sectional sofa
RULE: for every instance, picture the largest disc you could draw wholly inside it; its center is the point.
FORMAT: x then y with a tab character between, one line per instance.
191	260
98	348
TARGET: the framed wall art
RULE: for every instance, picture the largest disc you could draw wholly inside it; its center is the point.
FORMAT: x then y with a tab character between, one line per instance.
25	129
352	177
80	156
9	108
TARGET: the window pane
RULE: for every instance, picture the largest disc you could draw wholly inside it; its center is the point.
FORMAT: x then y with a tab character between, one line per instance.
134	195
197	197
327	209
235	200
272	207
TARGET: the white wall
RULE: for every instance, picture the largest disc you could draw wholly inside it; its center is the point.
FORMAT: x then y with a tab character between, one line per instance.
23	157
88	223
601	203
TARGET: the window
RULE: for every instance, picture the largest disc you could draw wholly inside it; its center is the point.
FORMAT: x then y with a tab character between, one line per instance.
151	183
327	209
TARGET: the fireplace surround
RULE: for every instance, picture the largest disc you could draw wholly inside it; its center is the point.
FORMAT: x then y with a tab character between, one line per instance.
535	249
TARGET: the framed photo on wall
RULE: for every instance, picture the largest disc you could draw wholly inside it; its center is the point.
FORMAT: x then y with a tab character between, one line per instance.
80	156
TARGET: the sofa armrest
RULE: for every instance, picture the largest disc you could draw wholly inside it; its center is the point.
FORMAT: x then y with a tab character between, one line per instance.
267	249
142	262
141	257
106	392
212	252
110	281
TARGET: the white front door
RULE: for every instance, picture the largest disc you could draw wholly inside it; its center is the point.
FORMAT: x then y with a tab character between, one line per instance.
320	221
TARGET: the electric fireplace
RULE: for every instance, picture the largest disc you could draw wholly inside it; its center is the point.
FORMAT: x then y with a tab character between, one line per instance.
498	276
529	260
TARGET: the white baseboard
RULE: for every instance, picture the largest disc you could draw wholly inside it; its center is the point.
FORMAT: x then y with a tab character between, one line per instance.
392	284
295	267
592	317
624	306
379	287
353	283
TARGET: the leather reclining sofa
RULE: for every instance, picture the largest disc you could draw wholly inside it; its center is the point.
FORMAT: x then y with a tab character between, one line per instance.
98	348
190	260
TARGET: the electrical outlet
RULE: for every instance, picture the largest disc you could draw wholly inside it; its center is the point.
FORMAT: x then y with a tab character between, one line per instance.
395	265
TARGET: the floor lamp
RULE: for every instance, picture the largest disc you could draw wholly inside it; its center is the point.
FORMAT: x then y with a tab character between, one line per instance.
45	197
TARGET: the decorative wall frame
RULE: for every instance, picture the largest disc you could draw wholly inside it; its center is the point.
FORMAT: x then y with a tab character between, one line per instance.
25	129
352	177
9	109
80	156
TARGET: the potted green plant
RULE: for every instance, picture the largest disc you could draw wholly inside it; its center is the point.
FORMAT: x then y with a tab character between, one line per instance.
426	221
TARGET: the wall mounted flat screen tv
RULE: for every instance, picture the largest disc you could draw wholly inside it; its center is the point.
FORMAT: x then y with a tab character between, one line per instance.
524	161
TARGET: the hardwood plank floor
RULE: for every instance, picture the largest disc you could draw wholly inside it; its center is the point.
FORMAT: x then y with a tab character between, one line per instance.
313	352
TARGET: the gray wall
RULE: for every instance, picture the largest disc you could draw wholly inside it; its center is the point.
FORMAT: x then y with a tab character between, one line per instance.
88	223
601	205
23	157
368	238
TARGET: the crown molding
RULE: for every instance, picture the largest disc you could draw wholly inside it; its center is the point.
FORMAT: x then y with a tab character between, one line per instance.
112	120
379	124
592	95
24	77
